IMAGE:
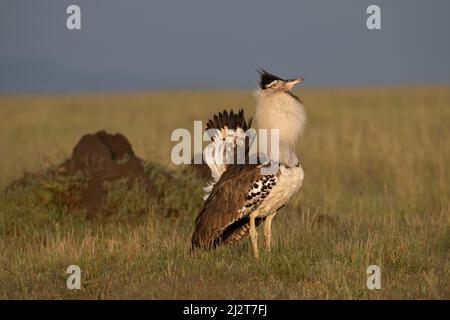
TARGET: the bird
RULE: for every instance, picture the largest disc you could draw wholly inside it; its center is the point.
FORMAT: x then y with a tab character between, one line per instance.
241	196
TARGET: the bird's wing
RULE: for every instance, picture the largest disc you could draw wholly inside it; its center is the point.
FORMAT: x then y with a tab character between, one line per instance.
227	131
225	213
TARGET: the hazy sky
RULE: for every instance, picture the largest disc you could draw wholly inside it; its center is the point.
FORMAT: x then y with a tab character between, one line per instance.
143	44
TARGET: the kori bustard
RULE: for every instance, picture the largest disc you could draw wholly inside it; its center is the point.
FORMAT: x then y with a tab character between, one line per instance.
241	196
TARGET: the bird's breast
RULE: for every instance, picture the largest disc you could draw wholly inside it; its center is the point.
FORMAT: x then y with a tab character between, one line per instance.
288	183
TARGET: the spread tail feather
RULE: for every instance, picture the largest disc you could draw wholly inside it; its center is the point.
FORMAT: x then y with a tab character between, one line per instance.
229	142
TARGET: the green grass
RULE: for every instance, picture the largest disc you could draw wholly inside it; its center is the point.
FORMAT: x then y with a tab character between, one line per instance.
376	164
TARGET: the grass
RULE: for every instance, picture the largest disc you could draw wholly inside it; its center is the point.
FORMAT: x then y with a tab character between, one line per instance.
376	166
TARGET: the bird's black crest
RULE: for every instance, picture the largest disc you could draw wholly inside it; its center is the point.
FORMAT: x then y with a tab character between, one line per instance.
266	78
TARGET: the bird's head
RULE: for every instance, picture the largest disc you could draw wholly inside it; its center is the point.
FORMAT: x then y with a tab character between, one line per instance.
268	81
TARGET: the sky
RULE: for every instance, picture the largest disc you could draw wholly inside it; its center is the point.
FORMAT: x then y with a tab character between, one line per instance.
165	44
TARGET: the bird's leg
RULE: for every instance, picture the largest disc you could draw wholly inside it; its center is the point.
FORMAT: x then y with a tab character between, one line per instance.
254	234
268	231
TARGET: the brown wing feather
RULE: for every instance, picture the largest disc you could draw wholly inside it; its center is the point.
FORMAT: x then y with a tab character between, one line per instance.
224	204
224	218
239	230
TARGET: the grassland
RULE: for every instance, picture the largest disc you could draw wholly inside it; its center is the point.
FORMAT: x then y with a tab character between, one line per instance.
376	165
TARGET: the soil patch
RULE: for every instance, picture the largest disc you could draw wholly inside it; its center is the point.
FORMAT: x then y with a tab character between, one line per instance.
103	157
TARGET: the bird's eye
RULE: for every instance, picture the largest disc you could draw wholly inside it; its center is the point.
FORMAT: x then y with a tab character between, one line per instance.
272	84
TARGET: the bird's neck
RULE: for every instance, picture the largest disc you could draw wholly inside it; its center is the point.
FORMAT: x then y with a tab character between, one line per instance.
282	111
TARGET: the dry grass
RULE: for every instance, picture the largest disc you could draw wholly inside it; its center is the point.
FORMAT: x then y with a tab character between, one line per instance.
376	165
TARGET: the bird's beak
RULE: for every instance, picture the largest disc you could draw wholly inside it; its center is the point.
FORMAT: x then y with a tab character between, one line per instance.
292	82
